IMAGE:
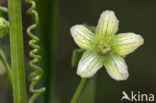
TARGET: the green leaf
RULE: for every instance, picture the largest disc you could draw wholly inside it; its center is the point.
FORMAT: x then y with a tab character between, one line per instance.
77	54
89	93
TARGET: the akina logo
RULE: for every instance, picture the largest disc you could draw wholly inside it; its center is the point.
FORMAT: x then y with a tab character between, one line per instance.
138	96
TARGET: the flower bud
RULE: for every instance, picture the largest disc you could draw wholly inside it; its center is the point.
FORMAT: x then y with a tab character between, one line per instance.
4	28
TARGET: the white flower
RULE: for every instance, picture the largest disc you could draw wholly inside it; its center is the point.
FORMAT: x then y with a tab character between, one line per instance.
104	47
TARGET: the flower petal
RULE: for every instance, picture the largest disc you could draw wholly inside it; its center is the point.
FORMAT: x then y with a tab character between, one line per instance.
107	25
83	37
116	67
126	43
89	64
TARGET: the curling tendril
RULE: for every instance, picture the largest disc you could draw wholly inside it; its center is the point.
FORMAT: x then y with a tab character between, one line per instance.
35	76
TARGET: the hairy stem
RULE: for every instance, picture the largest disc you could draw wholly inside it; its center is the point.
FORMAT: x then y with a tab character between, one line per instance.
17	52
78	90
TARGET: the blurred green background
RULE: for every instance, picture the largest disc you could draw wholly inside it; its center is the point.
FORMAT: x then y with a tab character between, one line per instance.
136	16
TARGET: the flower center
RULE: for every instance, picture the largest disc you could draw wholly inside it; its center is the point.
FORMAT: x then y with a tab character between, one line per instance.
104	47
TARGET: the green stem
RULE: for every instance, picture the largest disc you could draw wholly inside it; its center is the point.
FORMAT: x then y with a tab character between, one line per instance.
17	52
7	67
48	18
78	90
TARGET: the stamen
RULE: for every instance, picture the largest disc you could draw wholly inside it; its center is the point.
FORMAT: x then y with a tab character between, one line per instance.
104	47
